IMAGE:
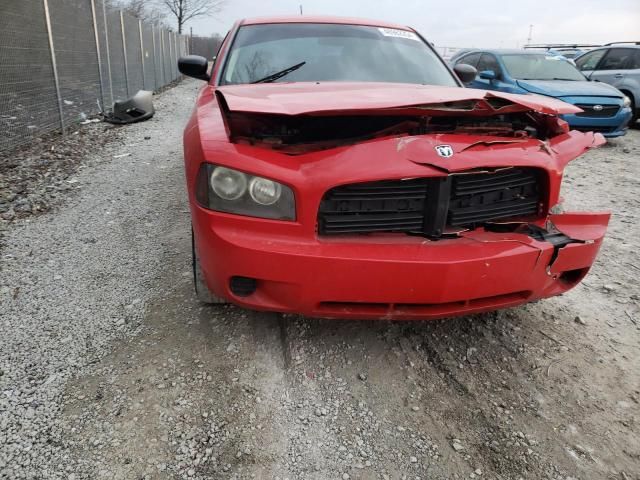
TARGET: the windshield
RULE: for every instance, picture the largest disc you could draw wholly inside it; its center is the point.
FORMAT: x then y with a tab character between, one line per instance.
540	67
332	53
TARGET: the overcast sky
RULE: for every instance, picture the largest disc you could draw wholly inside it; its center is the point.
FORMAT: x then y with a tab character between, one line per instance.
463	23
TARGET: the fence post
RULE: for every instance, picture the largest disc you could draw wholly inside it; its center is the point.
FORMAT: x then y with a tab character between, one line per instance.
174	60
52	51
170	57
124	51
155	58
95	31
141	53
175	63
106	45
172	41
161	56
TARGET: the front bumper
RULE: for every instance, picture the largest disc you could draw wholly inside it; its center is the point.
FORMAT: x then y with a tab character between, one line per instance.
390	276
610	127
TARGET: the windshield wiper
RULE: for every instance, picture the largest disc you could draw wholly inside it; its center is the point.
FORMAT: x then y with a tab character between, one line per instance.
567	79
275	76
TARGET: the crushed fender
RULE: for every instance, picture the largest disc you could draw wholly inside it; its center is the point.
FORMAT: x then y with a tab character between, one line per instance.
575	236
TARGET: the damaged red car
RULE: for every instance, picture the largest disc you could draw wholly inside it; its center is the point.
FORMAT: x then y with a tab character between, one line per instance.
337	168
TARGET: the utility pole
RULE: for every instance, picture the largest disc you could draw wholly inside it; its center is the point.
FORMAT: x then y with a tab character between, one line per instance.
300	9
529	37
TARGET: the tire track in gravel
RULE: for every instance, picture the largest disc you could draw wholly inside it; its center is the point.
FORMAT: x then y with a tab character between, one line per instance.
207	394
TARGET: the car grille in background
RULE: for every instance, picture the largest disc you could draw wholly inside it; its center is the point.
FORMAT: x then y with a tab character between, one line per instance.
429	205
605	112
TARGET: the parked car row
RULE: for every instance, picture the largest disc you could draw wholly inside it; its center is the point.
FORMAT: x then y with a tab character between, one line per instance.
604	82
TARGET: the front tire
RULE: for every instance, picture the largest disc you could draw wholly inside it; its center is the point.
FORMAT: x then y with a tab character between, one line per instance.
202	290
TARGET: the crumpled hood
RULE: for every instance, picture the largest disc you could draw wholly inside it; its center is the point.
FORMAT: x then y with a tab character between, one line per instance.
348	97
563	88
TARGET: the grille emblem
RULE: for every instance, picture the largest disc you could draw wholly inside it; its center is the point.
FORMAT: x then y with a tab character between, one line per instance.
444	151
598	108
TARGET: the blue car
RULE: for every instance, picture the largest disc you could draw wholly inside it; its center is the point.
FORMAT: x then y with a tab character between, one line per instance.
606	109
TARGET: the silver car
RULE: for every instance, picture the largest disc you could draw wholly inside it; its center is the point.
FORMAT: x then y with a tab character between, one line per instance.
618	65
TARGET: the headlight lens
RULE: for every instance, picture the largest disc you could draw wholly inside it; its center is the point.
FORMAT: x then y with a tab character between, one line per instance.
228	184
264	192
626	101
228	190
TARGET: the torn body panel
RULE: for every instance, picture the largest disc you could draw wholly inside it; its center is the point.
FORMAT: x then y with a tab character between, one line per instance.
298	122
576	238
373	98
587	231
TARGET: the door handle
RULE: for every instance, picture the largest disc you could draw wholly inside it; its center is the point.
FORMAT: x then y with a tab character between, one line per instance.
618	75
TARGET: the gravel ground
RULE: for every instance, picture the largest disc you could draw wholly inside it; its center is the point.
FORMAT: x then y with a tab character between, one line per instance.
110	369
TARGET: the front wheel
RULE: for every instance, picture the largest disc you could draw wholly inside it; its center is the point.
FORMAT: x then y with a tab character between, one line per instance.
202	291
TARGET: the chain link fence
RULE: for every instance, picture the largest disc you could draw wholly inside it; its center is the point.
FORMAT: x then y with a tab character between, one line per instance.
64	60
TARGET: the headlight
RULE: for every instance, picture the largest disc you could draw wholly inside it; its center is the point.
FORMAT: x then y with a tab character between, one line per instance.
228	184
227	190
626	102
265	192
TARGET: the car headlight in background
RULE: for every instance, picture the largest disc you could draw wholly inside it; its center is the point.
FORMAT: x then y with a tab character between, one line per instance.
626	102
232	191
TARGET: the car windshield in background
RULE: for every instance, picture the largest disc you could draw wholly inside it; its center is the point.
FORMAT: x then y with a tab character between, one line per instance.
332	53
540	67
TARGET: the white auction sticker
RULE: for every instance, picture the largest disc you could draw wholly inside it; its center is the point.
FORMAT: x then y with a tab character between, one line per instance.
393	32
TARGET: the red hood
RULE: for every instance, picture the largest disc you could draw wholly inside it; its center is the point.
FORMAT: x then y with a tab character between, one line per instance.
332	97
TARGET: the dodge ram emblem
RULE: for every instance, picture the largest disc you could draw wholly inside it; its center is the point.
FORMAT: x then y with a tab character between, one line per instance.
444	151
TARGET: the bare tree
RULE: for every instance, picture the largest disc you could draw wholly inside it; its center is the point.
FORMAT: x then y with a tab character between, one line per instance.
185	10
145	10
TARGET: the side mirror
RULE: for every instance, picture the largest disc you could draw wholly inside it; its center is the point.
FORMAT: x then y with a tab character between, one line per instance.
466	73
488	75
194	66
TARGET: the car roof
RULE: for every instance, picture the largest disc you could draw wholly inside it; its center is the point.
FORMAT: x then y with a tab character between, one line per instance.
508	51
606	47
617	45
322	19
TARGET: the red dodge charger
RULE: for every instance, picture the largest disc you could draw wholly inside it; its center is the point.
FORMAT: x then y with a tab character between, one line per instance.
337	168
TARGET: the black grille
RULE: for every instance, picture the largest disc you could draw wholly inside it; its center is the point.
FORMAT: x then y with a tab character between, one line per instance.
428	205
604	111
480	197
392	206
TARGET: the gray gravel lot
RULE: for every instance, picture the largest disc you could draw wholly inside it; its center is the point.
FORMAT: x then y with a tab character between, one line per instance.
110	369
